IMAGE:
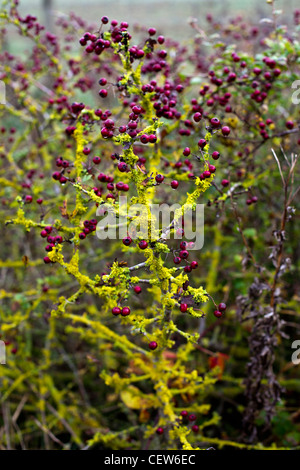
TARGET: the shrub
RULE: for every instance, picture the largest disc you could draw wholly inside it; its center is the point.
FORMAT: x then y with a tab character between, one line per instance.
140	341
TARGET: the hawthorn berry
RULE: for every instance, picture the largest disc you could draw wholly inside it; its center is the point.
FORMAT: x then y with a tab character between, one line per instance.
116	310
152	138
184	254
192	417
215	122
184	413
137	289
202	143
144	139
127	241
152	31
125	311
28	199
183	307
215	155
122	166
217	313
159	431
159	178
97	160
153	345
177	260
197	117
174	184
103	93
225	130
224	182
143	244
222	306
82	236
194	264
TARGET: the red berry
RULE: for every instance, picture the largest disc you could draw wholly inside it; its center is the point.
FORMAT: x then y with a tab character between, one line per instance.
177	260
152	345
137	289
47	260
39	200
103	93
102	81
97	160
289	124
194	264
222	306
184	413
225	130
152	31
116	311
125	311
28	199
174	184
217	313
202	143
86	151
152	138
215	155
159	431
144	139
224	182
192	417
122	167
184	254
183	307
197	117
159	178
143	244
195	428
215	122
127	241
186	151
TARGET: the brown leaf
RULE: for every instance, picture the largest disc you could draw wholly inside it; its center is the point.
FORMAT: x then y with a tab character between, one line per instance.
63	210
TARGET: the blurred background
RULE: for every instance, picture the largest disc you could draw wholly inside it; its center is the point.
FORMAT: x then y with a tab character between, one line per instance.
169	15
